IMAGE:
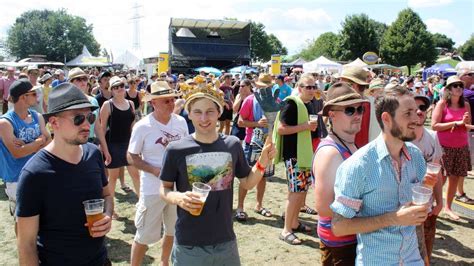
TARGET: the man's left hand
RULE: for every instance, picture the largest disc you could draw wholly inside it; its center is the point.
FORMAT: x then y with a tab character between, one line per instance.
101	227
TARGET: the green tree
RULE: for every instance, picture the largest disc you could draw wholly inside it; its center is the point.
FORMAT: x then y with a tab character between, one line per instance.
276	45
325	45
407	42
467	49
359	35
262	45
55	34
441	40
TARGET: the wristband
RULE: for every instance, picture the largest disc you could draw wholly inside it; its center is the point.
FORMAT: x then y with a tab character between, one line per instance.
260	167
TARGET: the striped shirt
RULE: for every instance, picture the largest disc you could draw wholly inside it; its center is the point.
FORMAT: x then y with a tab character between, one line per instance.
367	184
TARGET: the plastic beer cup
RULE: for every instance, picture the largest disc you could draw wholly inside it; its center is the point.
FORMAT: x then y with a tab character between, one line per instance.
203	191
94	209
431	168
313	118
421	194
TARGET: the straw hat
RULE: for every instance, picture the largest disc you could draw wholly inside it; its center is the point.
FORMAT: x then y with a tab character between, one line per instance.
160	89
355	74
264	80
76	73
454	79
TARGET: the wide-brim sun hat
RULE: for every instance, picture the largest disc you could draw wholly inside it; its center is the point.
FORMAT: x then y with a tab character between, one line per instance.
341	94
454	79
264	80
355	74
160	89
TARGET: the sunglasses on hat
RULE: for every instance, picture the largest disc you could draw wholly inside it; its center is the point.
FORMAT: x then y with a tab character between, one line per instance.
351	110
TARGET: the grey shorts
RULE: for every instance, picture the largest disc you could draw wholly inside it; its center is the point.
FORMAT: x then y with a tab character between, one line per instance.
153	213
221	254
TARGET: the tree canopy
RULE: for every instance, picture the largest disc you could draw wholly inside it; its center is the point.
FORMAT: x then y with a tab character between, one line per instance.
407	42
326	44
467	49
359	35
56	34
263	45
443	41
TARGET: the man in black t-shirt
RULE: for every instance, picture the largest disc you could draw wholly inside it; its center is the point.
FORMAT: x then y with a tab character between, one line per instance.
214	159
296	133
103	93
52	227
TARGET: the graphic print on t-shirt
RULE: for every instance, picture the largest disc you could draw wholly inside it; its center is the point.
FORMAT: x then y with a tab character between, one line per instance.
212	168
167	138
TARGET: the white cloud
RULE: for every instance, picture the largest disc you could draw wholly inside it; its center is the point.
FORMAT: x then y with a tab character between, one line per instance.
427	3
445	27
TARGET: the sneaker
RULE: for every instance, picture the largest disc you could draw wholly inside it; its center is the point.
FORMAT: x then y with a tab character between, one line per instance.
464	199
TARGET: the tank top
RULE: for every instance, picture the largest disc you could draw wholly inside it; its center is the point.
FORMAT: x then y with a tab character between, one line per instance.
135	100
324	223
119	124
457	138
27	132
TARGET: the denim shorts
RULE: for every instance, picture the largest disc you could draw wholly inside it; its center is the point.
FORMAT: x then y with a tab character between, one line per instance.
221	254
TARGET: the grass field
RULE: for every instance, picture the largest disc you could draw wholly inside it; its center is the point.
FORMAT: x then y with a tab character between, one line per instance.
258	237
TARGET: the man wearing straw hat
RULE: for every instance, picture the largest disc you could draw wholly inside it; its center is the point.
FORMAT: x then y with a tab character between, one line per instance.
214	159
150	136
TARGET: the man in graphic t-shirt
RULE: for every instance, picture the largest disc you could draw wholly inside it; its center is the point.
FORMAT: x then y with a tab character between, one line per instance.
213	159
150	136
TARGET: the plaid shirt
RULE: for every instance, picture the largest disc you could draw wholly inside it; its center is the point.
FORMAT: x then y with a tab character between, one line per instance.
369	184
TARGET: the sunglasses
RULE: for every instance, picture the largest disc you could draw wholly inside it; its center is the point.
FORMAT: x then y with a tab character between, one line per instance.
351	110
310	87
457	85
81	79
423	107
80	118
118	87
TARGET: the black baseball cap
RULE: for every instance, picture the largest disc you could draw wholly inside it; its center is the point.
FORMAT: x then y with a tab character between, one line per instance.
20	87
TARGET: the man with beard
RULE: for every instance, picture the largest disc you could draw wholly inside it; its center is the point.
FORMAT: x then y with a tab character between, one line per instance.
373	196
52	227
344	110
427	141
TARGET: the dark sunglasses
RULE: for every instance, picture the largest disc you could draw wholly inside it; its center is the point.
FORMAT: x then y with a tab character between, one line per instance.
118	87
456	85
79	119
310	87
423	107
351	110
81	79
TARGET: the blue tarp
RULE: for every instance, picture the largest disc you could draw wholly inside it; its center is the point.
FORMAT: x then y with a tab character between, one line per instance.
444	70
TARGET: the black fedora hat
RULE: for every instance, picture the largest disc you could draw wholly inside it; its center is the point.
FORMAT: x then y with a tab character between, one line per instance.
65	97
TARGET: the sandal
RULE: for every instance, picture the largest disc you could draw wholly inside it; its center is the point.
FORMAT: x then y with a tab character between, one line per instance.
264	212
302	228
308	210
290	238
464	199
241	216
126	189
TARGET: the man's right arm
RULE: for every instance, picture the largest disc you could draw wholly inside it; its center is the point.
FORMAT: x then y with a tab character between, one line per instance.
26	240
18	151
137	161
405	216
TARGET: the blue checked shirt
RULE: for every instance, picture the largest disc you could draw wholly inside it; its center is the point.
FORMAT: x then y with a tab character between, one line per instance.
369	184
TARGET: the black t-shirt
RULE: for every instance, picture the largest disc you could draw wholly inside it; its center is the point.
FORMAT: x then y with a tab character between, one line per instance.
55	189
289	116
100	98
187	161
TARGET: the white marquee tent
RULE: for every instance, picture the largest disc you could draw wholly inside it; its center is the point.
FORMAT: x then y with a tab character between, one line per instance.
322	64
358	62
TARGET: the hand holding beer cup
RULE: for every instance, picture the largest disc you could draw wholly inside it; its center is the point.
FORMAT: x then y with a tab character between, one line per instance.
313	122
193	201
432	172
98	223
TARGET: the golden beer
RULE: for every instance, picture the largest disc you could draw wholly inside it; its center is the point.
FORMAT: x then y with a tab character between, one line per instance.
93	217
197	212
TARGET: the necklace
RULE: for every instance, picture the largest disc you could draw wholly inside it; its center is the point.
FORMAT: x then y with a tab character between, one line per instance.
344	142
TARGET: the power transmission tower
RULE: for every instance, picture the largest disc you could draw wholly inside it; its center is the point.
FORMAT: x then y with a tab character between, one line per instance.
136	26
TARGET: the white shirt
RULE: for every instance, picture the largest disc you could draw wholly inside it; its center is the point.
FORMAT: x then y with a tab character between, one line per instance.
149	139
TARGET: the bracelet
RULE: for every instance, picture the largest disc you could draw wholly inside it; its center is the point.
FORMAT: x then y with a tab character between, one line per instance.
260	167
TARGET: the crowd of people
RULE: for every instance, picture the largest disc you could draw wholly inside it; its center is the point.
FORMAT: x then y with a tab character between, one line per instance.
361	140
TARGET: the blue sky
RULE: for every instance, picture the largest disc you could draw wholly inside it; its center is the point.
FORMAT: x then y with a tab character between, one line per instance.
293	22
